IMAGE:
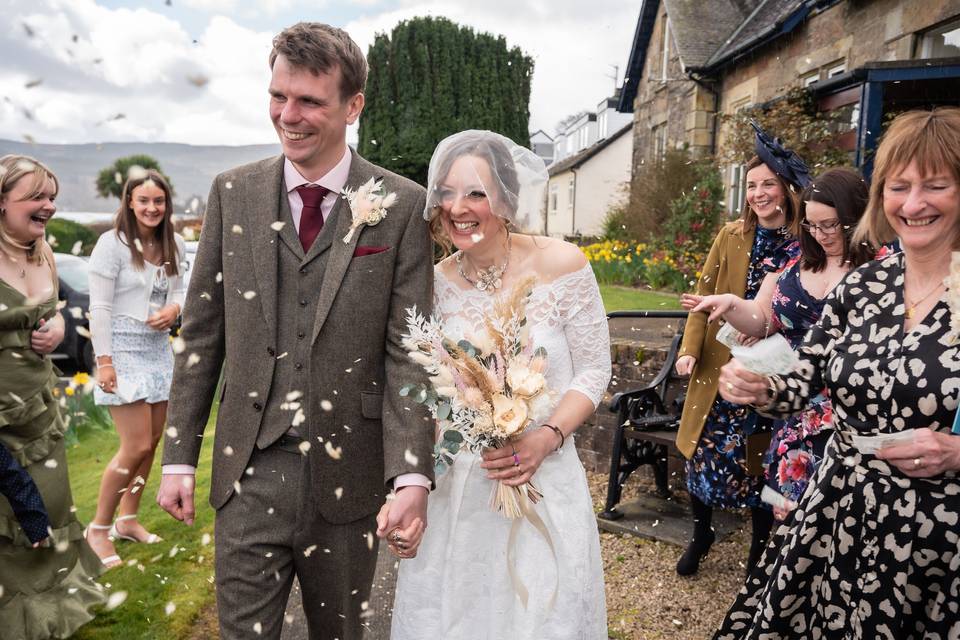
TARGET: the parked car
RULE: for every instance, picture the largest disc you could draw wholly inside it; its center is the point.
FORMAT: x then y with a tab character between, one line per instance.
75	352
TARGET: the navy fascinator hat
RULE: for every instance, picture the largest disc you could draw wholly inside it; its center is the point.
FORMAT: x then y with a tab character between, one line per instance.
782	161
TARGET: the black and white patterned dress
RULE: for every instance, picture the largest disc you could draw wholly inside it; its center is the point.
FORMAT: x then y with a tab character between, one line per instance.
870	552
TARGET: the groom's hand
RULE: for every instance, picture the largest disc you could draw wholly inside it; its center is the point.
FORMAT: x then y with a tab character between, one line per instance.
176	496
405	515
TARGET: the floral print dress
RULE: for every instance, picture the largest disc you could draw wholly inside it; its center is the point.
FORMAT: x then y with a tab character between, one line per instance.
798	442
717	472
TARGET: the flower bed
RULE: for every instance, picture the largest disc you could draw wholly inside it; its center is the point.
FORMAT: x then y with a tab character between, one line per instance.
642	264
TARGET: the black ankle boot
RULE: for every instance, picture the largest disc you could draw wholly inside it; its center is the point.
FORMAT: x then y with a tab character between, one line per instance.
689	562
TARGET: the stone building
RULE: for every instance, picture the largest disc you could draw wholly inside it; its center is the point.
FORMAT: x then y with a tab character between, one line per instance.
693	59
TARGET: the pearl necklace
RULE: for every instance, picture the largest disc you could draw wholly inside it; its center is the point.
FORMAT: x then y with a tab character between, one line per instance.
490	278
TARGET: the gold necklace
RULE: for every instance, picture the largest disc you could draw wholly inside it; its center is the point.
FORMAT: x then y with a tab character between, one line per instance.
912	309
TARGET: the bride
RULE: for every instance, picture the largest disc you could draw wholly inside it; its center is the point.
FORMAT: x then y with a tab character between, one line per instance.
462	583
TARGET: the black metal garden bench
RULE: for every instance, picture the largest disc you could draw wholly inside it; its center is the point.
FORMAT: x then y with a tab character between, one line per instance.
647	420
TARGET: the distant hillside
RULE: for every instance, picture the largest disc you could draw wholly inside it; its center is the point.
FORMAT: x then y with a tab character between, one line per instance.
191	168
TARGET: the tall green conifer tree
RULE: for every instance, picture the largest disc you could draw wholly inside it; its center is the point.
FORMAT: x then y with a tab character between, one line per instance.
430	78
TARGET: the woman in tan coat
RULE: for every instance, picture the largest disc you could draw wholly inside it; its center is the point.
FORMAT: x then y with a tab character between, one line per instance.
718	437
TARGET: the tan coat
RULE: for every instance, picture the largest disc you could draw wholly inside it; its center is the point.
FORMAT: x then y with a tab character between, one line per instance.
725	271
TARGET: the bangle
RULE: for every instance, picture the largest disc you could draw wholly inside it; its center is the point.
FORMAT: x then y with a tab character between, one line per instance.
558	432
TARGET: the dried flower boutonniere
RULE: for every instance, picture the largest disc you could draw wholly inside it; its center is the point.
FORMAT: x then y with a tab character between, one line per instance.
368	205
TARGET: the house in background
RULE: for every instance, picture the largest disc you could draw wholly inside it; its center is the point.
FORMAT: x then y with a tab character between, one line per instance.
691	61
583	187
542	144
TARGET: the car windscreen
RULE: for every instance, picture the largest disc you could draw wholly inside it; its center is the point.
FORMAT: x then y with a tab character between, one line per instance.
74	273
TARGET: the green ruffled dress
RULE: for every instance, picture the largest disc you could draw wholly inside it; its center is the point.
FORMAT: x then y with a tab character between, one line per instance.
47	592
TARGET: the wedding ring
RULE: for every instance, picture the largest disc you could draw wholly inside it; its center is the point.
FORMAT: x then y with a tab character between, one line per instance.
729	386
917	463
396	536
516	459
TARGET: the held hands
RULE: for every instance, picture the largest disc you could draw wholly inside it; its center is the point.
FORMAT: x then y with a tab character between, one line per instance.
164	318
930	454
515	463
741	386
402	521
49	336
175	496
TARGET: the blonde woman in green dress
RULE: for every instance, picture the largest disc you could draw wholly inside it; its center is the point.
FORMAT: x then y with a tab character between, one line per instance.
45	592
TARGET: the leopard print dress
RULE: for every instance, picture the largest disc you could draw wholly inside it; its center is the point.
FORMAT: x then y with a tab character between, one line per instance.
870	553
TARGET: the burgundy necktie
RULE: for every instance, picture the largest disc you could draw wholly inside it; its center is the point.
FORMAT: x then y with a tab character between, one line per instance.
311	218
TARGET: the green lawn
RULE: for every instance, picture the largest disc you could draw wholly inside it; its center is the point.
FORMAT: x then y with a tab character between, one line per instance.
167	584
617	298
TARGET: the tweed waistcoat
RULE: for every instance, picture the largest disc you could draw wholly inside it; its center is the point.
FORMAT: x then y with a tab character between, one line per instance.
299	279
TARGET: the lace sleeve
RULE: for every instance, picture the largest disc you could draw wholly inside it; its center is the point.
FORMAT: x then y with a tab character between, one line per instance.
588	336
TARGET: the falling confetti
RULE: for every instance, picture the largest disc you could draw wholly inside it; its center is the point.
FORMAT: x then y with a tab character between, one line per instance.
116	599
333	452
411	459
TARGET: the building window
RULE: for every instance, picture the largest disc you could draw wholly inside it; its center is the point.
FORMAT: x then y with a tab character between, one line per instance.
665	55
601	125
570	194
836	69
554	190
736	188
941	42
584	135
570	142
659	142
808	79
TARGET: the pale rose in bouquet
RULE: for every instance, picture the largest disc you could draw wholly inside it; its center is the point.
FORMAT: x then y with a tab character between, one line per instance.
485	389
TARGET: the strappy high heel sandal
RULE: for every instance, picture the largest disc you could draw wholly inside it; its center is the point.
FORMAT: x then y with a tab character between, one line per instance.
151	539
110	561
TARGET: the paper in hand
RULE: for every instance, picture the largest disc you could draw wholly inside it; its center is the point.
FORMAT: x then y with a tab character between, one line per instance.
770	356
777	500
727	336
872	444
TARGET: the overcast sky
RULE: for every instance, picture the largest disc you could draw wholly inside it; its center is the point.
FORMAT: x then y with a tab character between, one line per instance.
195	71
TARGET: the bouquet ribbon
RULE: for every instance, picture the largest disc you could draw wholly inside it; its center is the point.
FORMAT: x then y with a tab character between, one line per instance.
530	514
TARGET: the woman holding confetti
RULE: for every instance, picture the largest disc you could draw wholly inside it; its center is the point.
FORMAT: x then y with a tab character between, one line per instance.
872	550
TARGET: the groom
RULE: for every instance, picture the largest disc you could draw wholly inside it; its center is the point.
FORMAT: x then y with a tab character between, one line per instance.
312	433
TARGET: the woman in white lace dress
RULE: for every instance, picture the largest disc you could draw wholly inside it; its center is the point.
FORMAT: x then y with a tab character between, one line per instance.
136	292
459	584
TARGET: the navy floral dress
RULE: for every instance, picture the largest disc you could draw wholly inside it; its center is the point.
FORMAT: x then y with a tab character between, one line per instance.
798	442
717	472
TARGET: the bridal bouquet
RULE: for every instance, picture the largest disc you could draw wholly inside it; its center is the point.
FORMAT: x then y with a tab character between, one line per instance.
485	389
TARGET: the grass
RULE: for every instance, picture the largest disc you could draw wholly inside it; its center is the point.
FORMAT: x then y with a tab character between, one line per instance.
167	584
617	298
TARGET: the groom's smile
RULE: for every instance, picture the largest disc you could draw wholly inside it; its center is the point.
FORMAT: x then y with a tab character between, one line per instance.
310	115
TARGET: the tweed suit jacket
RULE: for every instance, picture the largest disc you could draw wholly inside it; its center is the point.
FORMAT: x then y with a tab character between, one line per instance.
725	271
362	433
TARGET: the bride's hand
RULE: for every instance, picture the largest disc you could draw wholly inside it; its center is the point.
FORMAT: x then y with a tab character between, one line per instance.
403	543
515	463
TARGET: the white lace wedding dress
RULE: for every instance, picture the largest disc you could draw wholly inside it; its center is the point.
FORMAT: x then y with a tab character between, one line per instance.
458	587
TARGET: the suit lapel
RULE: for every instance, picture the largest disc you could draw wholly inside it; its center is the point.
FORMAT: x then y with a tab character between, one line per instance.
264	210
340	252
